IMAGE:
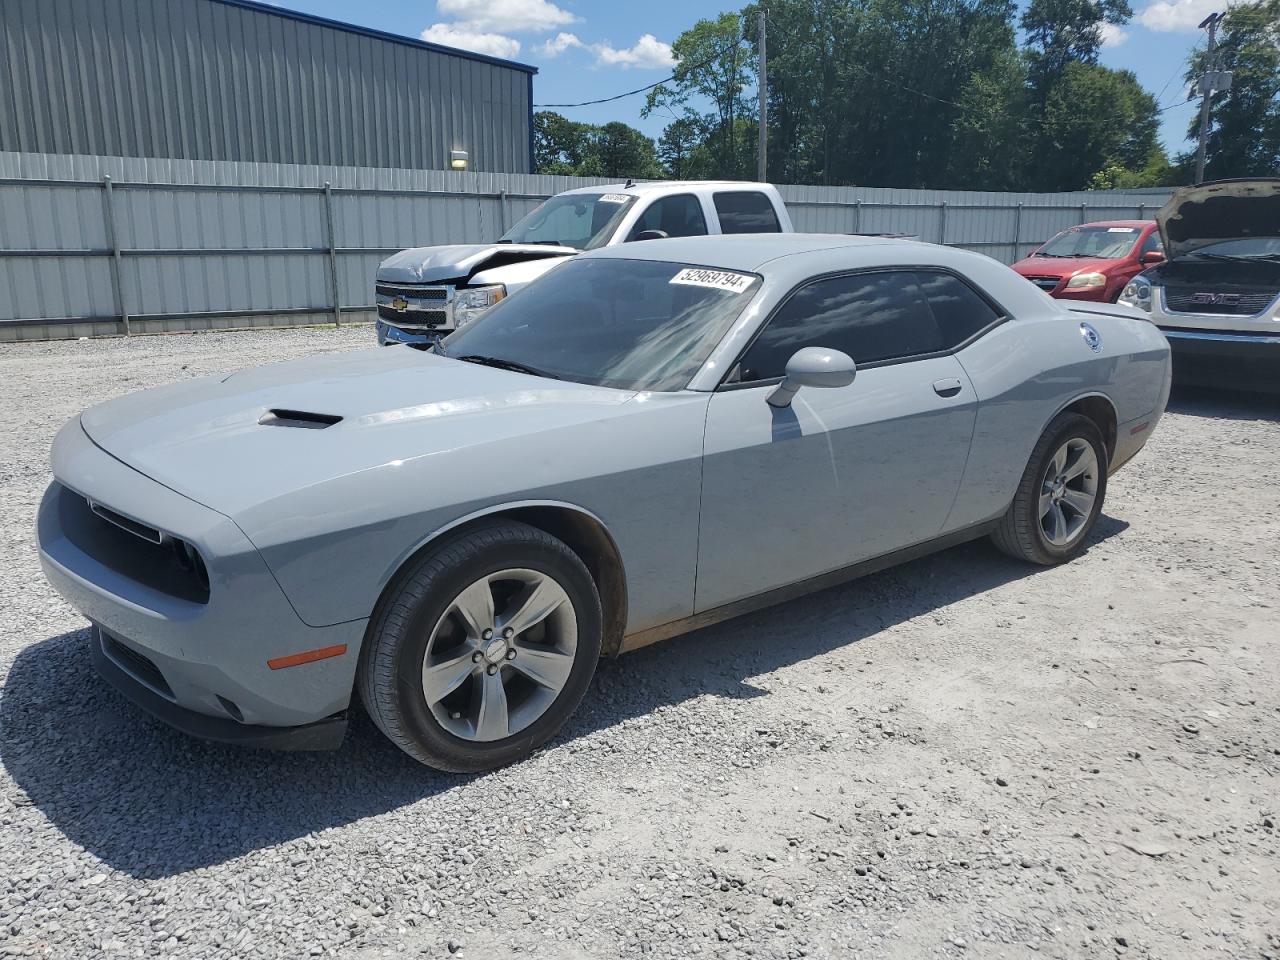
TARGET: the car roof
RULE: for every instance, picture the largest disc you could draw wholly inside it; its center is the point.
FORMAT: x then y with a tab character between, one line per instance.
745	251
667	186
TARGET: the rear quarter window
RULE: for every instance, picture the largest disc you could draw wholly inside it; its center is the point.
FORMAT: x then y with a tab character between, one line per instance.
746	211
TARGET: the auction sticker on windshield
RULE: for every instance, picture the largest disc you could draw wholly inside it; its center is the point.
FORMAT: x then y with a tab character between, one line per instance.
715	279
613	198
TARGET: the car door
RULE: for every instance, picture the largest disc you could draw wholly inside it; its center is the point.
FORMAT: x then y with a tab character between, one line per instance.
842	474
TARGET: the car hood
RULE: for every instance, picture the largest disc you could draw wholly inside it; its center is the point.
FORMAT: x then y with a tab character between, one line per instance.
1197	216
1062	266
215	440
458	262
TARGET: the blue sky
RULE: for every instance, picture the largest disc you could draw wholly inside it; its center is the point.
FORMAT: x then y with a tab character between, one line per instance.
586	49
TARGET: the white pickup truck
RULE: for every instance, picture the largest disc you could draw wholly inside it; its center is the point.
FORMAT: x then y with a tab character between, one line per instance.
426	292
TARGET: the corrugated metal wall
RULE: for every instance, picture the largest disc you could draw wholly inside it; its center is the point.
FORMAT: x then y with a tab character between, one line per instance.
216	80
94	245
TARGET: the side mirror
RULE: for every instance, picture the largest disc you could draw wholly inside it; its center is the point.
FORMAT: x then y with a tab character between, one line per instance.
813	367
1151	256
649	235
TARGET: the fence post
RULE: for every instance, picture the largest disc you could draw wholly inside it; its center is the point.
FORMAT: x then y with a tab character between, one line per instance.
1084	216
503	212
333	254
1017	230
857	215
1142	211
942	224
117	273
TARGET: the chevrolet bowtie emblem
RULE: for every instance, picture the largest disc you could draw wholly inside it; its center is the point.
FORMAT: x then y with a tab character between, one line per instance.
399	304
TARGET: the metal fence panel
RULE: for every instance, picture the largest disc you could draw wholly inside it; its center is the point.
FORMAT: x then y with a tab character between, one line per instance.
93	246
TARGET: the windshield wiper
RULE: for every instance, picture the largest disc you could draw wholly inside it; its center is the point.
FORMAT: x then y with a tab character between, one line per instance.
1234	256
502	364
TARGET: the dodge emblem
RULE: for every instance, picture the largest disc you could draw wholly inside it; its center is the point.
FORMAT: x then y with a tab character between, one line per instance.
1091	337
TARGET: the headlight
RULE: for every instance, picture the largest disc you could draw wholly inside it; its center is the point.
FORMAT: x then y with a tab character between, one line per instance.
1086	281
1137	293
470	302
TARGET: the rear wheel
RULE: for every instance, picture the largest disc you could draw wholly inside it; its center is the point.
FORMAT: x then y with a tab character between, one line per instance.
1060	495
484	649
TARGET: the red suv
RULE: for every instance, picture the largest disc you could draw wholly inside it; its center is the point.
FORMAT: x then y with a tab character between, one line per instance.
1094	261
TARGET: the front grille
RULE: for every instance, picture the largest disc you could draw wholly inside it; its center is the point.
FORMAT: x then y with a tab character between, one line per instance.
1046	284
134	663
133	549
411	292
414	319
1221	302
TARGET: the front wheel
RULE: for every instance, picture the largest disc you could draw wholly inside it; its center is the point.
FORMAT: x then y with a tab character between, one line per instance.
484	649
1060	496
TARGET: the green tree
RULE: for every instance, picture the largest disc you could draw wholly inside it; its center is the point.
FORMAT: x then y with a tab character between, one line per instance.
617	150
712	67
570	148
560	145
1244	127
1094	118
678	148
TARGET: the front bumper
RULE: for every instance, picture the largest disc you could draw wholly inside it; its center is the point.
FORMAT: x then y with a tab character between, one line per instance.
206	658
1248	361
389	334
326	734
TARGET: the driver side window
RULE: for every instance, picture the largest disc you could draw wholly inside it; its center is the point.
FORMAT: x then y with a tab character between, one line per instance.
870	316
678	216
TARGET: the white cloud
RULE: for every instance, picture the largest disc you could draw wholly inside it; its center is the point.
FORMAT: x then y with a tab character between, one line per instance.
511	16
477	41
1170	15
1112	36
558	45
648	52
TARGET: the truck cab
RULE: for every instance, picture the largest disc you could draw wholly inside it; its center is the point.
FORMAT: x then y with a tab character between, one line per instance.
425	293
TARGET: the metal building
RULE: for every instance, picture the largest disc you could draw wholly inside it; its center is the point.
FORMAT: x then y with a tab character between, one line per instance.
238	80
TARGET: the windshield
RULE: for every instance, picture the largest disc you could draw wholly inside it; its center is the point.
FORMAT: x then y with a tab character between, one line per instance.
631	324
1263	247
580	220
1106	243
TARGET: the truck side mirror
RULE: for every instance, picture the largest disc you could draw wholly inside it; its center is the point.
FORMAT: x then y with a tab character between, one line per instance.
1151	256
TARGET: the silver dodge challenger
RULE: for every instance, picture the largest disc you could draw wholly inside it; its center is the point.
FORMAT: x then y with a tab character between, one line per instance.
652	437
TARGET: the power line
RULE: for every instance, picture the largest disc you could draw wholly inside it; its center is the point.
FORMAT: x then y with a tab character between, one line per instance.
631	93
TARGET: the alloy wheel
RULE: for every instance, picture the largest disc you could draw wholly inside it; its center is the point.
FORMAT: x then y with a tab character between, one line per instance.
500	655
1068	492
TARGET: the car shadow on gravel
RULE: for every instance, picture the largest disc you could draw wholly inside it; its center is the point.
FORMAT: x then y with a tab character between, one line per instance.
1223	403
153	803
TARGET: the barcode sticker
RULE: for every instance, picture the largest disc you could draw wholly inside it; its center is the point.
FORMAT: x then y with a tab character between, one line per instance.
613	198
715	279
1121	230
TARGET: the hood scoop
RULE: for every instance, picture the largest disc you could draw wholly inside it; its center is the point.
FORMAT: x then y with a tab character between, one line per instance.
301	419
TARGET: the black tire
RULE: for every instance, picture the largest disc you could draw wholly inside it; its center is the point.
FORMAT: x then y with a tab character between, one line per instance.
1020	533
389	677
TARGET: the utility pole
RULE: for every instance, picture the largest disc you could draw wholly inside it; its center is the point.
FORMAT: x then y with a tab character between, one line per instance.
1207	86
762	81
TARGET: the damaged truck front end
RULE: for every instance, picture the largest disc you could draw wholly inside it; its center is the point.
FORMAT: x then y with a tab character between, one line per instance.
426	293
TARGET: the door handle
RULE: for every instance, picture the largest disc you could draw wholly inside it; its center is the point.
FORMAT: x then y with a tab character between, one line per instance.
948	387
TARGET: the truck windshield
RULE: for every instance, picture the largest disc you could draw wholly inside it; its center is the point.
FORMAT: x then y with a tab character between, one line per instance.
580	220
1106	243
630	324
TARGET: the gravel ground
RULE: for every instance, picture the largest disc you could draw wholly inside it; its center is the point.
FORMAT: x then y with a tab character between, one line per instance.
959	757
